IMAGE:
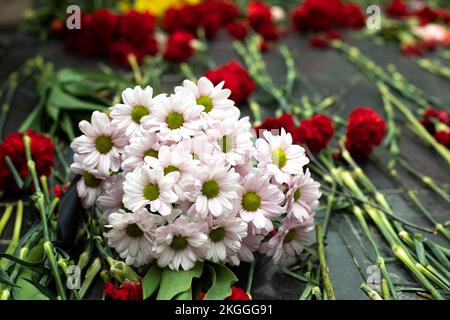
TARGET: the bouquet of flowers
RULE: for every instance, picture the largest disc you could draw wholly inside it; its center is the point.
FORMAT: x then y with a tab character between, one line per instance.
180	179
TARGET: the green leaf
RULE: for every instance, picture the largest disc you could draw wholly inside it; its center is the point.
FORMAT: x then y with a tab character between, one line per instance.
66	126
4	279
222	279
43	290
175	282
187	295
35	266
151	281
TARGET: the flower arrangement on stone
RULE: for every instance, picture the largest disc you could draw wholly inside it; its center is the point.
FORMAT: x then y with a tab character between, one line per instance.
181	178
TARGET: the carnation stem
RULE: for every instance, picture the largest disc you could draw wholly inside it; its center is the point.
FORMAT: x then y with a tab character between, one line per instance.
372	294
137	73
323	263
13	80
291	74
256	111
5	217
251	272
91	273
186	70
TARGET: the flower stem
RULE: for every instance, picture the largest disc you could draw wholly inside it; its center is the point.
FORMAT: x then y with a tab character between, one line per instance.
14	172
323	263
372	294
5	217
251	272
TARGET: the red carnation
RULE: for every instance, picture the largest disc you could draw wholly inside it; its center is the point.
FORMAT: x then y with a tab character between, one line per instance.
42	152
184	18
136	28
426	15
412	49
443	137
120	52
285	121
353	17
127	291
260	19
365	130
237	30
236	294
431	116
319	41
96	35
316	15
315	132
397	9
179	47
236	79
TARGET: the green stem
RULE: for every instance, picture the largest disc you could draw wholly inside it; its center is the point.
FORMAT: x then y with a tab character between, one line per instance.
5	217
323	263
372	294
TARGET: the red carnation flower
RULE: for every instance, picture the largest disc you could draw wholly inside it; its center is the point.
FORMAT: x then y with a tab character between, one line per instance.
431	116
397	9
184	18
237	30
365	130
96	35
443	137
426	15
315	132
236	79
412	50
319	41
260	19
179	47
236	294
120	52
127	291
316	15
285	121
42	152
353	17
136	28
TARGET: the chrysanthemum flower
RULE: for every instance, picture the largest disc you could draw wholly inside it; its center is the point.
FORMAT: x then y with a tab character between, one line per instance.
224	237
144	144
111	199
174	159
215	188
249	245
130	236
289	240
176	117
234	139
202	148
278	157
214	99
181	243
137	103
91	184
145	186
260	202
303	196
101	144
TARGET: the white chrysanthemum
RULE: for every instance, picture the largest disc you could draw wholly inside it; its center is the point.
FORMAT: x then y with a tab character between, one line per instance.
145	186
130	235
137	103
175	159
111	199
101	144
144	144
289	240
234	139
278	157
202	148
225	237
91	184
174	117
249	245
214	189
181	243
260	201
214	99
303	196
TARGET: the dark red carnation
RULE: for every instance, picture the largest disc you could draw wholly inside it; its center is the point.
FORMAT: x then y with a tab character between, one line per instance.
365	130
353	17
317	15
285	121
315	132
260	19
127	291
136	28
179	47
426	15
185	18
431	116
236	79
412	49
236	294
237	30
98	30
319	41
120	52
397	9
443	137
42	152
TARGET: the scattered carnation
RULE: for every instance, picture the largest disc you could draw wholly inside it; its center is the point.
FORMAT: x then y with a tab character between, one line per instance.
315	132
179	47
